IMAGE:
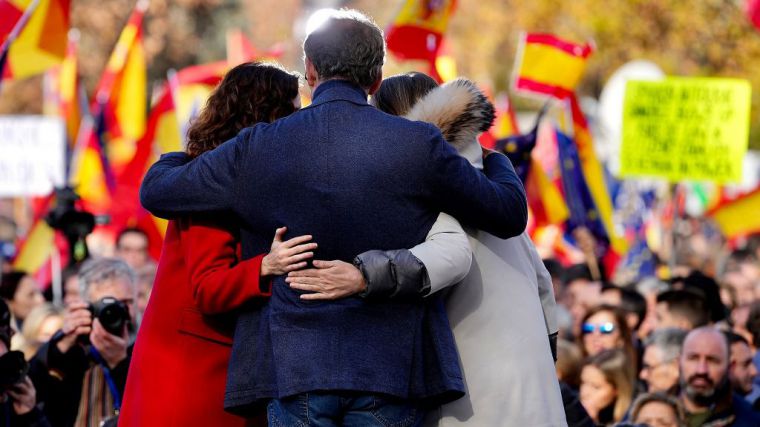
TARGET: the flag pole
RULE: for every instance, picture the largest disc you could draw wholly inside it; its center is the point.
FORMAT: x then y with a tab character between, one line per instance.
15	32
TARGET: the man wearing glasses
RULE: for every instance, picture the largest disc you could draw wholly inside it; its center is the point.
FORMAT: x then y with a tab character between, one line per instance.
659	369
81	372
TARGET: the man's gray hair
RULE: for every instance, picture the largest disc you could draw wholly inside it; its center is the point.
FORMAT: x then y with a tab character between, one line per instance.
97	270
348	46
669	341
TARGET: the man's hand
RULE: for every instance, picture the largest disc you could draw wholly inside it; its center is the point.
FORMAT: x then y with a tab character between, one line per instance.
24	396
288	255
328	280
112	348
77	320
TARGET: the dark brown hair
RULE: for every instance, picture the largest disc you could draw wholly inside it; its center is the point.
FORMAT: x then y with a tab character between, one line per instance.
9	284
398	94
250	93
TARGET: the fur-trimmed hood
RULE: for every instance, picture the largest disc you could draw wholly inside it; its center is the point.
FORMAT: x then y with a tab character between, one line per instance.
461	111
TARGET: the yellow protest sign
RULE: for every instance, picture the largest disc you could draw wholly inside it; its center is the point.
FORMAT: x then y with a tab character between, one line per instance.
686	128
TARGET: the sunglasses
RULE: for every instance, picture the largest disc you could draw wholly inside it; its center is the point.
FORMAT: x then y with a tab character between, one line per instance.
604	328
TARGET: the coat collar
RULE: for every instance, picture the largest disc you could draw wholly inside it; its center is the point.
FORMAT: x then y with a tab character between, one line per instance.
333	90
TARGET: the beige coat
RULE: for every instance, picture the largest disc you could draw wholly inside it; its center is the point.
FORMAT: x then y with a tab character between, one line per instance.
502	311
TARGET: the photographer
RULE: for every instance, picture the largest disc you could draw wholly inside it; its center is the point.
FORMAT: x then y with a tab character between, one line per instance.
18	403
81	372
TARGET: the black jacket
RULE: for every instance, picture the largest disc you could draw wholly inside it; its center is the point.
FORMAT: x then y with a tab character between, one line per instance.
8	417
58	379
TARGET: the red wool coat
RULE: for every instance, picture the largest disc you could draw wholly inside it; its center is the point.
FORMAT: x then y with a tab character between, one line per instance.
179	364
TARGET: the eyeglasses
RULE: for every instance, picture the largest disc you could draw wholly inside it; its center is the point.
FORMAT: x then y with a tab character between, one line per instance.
604	328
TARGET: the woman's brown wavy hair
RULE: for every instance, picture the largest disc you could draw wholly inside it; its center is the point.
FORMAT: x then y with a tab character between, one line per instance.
250	93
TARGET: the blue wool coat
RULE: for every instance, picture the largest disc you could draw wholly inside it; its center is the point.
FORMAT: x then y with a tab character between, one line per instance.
356	179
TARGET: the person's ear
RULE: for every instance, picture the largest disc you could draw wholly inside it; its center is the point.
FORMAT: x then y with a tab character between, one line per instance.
311	73
376	85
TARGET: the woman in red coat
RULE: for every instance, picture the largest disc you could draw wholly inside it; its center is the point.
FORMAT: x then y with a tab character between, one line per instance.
179	364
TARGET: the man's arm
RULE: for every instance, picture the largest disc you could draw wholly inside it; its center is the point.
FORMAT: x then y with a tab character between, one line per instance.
173	186
442	260
493	202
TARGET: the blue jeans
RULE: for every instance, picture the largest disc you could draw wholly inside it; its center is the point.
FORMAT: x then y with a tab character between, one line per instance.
332	409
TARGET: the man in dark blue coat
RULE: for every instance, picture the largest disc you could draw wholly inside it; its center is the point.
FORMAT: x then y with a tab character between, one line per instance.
356	179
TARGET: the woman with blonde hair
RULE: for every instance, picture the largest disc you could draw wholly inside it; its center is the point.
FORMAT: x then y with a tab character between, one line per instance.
607	386
41	323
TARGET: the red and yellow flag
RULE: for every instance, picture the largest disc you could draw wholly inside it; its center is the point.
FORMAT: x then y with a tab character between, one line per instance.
548	65
38	245
41	44
122	92
740	216
108	140
417	31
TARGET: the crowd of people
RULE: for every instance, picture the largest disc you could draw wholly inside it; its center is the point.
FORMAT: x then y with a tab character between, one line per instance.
683	344
243	314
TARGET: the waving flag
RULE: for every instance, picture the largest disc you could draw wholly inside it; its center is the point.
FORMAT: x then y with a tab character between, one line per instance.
108	139
121	95
594	175
583	209
40	41
36	247
546	203
740	216
417	32
548	65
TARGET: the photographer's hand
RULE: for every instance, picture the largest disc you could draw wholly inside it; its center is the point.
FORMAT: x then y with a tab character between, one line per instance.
77	320
112	348
24	396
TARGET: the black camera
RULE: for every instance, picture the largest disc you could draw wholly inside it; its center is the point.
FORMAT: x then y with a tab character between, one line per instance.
112	313
13	369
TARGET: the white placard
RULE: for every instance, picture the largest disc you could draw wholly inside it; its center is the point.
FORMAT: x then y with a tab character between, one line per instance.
32	155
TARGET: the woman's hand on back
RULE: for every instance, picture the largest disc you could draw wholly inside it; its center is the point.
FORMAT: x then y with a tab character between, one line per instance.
287	256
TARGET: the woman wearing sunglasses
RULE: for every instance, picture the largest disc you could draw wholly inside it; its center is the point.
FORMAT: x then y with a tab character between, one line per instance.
604	328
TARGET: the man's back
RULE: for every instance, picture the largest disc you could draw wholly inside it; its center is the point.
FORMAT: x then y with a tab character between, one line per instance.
350	175
356	179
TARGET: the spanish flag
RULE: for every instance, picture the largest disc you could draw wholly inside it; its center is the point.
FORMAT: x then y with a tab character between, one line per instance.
38	245
122	92
740	216
548	65
69	89
546	204
108	139
417	31
41	41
